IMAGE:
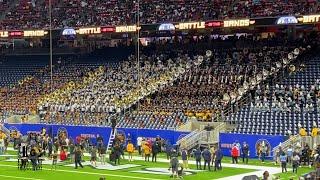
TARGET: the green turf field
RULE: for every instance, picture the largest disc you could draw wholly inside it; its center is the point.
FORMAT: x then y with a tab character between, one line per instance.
9	170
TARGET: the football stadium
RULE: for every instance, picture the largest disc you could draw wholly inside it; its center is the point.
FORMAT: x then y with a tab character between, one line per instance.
160	89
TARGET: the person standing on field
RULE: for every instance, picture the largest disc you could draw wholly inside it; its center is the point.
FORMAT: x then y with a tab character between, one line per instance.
130	150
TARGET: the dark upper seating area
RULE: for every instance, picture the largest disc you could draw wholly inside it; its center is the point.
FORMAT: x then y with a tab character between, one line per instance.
27	14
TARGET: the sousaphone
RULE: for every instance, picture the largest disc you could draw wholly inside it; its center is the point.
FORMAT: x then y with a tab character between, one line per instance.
296	51
290	56
226	97
208	53
241	91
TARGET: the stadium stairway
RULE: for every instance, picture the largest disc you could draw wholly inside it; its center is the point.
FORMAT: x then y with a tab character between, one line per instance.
202	138
296	141
111	138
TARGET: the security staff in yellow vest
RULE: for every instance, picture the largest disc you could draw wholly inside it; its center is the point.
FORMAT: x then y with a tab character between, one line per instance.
302	132
314	131
314	135
2	135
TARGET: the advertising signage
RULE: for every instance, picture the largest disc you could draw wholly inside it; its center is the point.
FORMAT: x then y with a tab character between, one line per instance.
4	34
169	27
237	23
16	34
166	27
213	24
69	32
310	19
190	25
132	28
285	20
107	29
34	33
91	30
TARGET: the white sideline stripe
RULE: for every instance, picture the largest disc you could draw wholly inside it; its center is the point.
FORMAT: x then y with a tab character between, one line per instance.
81	172
17	177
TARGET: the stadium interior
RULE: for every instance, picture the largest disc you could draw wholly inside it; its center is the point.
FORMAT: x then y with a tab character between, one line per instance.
233	79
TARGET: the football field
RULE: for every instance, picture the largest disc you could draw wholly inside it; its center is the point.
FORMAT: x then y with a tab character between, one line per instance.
139	169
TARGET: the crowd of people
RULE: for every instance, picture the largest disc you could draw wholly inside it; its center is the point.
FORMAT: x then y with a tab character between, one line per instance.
35	13
108	90
205	90
174	82
22	98
89	94
297	156
40	146
287	98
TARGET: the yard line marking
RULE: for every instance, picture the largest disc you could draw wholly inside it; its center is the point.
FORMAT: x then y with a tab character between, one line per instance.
91	173
17	177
